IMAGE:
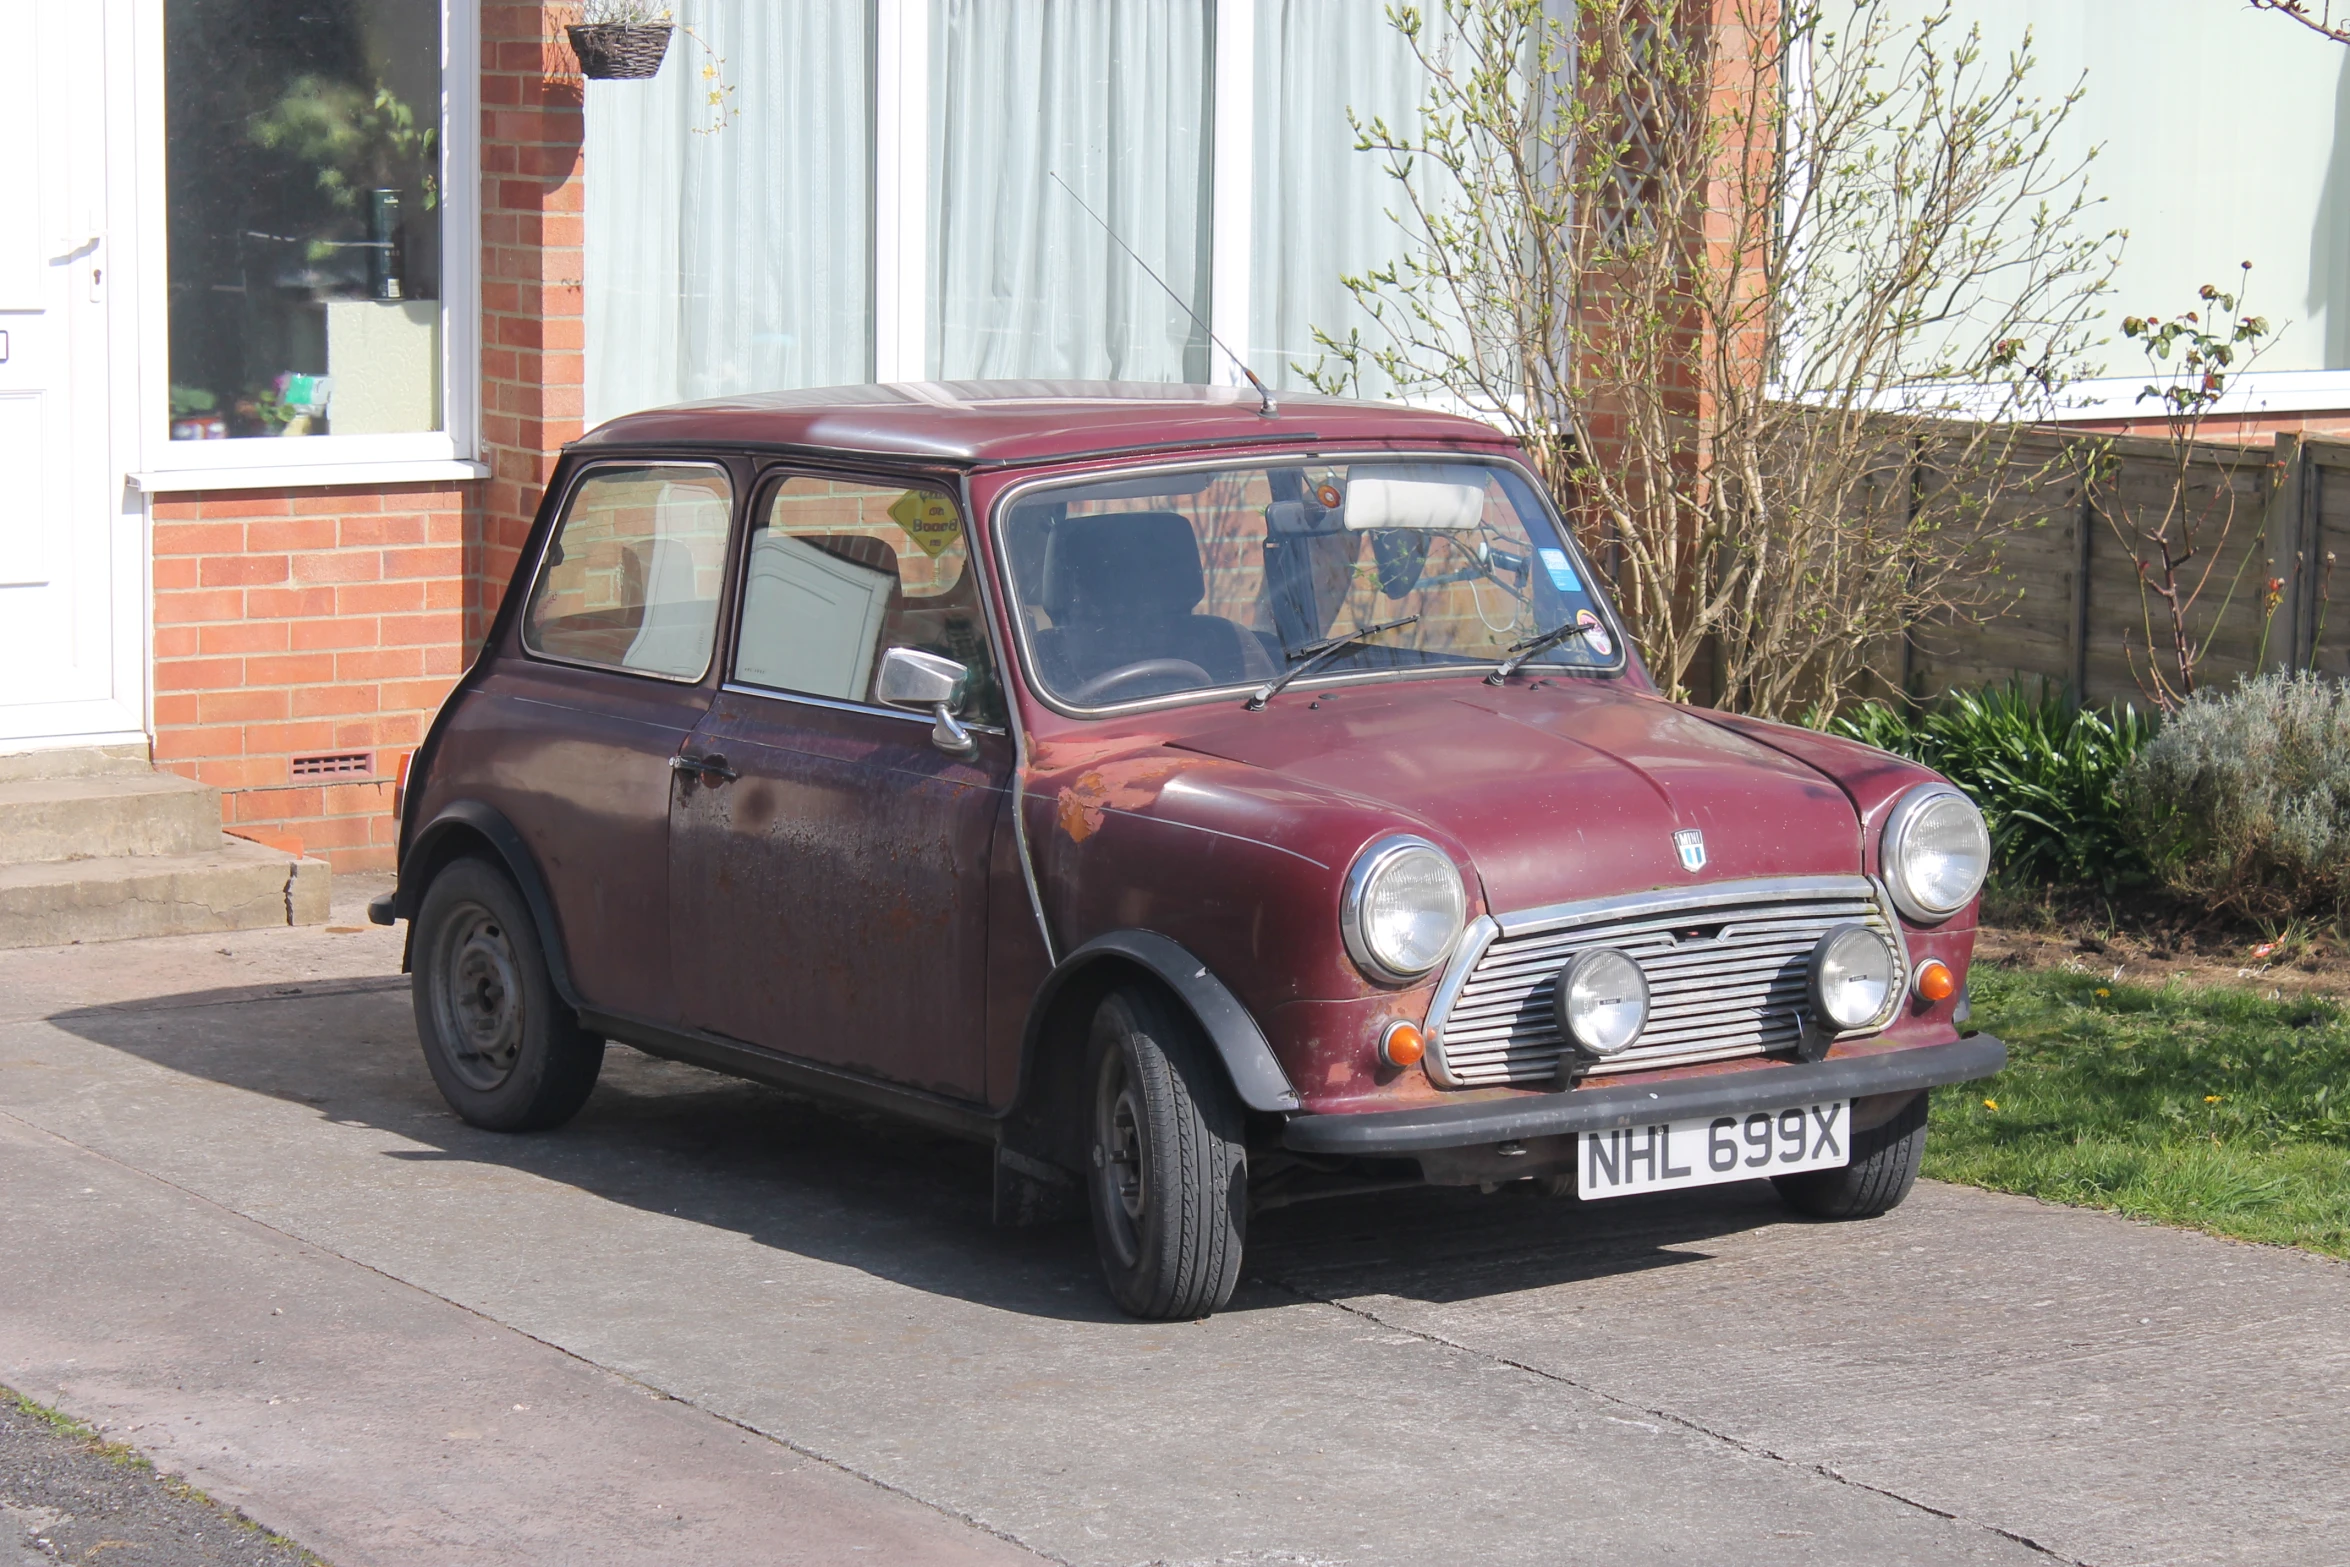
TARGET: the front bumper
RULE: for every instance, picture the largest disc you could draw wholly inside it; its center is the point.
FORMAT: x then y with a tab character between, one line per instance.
1404	1133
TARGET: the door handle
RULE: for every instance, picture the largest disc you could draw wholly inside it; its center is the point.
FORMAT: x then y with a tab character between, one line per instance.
710	768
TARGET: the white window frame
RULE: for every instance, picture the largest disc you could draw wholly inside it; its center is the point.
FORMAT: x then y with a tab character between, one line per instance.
444	455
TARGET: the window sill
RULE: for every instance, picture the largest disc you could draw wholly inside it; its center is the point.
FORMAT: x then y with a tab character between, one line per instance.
338	475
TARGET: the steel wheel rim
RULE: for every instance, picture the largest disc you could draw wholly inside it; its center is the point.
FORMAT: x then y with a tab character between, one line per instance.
1121	1158
479	997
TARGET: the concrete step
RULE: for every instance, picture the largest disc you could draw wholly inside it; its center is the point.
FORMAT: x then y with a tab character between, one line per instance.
232	885
105	815
73	761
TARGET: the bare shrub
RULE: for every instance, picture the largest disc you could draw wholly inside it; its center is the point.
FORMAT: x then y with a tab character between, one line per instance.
1769	288
2241	800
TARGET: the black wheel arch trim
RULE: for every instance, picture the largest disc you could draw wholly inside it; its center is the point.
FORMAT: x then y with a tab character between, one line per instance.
1241	1045
1598	1109
488	822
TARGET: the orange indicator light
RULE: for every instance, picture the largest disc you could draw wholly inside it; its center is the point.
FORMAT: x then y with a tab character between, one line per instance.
1935	982
1401	1045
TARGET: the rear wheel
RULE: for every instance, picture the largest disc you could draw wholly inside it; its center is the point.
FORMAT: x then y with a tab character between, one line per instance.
1884	1166
507	1053
1169	1184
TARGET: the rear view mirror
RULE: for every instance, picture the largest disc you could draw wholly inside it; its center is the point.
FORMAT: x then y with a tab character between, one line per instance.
1445	497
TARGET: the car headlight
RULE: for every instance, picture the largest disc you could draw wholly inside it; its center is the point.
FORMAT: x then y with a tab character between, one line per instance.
1852	972
1403	908
1601	1001
1936	852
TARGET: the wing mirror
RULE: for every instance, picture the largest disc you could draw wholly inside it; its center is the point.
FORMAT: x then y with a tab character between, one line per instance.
910	677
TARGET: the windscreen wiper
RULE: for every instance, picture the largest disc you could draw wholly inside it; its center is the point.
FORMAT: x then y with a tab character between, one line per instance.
1542	642
1315	655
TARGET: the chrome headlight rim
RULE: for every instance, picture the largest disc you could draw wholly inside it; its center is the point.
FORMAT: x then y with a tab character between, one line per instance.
1891	852
1376	857
1894	978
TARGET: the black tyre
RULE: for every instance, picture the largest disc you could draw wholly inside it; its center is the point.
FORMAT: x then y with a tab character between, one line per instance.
507	1053
1884	1166
1169	1185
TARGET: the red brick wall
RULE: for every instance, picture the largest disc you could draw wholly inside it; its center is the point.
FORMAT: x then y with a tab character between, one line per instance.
533	328
298	623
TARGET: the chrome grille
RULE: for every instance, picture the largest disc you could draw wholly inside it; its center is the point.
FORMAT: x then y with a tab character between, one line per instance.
1725	969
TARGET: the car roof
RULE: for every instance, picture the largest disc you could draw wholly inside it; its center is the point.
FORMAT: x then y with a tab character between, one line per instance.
995	422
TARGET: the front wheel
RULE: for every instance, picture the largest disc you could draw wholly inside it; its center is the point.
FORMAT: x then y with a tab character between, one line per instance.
1884	1166
1169	1184
507	1053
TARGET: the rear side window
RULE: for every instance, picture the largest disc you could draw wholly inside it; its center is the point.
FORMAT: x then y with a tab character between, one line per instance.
633	574
838	571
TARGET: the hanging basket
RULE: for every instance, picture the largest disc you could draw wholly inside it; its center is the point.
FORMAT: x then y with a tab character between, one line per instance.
619	51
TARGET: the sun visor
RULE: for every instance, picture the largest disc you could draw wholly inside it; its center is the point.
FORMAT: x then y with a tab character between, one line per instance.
1395	496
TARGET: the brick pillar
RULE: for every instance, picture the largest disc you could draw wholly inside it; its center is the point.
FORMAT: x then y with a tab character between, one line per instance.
533	333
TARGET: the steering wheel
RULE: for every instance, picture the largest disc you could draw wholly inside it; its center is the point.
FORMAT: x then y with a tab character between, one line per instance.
1127	674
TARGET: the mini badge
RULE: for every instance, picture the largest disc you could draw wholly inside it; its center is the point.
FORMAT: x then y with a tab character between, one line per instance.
1691	843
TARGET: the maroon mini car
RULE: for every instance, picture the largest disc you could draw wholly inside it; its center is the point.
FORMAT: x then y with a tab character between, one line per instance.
1207	807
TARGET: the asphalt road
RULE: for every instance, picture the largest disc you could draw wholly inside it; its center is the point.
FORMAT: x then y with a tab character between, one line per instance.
711	1322
63	1500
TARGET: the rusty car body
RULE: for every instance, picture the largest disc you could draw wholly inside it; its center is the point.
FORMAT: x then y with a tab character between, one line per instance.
1205	806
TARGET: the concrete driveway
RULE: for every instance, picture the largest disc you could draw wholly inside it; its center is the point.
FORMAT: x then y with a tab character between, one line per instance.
710	1322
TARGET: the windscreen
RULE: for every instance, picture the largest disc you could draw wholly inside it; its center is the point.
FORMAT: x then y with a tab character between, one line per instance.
1135	588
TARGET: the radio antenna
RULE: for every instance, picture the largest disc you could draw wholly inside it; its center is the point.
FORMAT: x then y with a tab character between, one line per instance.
1265	404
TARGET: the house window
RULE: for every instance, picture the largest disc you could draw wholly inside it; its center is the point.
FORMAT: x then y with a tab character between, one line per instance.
1039	112
318	229
897	190
729	245
2198	192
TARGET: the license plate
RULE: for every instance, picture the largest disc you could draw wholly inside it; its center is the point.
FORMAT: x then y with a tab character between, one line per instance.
1670	1156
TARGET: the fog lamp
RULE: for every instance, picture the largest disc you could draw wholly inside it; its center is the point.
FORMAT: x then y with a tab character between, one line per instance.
1852	973
1600	1000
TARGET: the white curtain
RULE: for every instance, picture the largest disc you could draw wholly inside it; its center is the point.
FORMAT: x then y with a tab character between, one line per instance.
1320	208
729	251
1114	98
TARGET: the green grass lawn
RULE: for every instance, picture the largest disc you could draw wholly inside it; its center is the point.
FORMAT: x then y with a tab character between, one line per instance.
2205	1107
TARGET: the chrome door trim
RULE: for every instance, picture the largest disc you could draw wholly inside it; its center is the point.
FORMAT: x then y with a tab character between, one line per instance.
871	709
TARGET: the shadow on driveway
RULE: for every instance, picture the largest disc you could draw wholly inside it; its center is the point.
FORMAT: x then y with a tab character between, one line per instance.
861	1190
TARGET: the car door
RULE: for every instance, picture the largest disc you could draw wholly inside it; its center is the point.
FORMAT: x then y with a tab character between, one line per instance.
829	861
570	732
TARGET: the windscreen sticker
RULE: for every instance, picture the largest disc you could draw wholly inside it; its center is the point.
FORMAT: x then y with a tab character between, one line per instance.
1595	635
1562	575
929	518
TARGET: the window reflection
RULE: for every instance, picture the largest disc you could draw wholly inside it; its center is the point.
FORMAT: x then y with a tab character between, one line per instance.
303	181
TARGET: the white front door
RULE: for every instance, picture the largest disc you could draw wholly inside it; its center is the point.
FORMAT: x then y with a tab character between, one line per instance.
72	576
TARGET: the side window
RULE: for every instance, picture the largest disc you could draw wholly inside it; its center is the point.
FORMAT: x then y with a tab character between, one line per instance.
838	571
633	572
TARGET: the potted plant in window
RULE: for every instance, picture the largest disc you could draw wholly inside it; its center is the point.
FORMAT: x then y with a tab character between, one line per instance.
620	40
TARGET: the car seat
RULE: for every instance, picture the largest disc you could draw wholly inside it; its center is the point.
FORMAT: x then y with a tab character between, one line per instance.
1121	588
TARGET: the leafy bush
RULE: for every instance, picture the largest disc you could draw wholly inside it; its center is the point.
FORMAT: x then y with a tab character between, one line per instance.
2047	777
2243	801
